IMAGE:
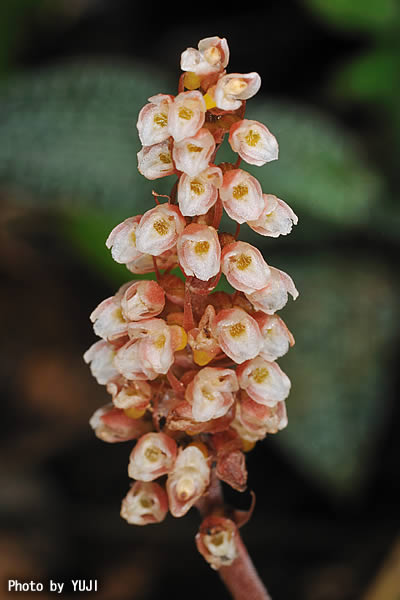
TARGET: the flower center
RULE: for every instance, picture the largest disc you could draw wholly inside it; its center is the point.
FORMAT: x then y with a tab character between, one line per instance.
194	148
202	247
165	158
239	191
152	454
185	113
197	187
161	119
161	226
252	138
237	329
260	374
243	262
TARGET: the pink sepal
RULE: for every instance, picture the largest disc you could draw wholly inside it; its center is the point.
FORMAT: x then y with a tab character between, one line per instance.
159	229
142	300
199	251
253	142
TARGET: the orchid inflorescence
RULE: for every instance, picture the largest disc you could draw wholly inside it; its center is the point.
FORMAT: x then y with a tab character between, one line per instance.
191	371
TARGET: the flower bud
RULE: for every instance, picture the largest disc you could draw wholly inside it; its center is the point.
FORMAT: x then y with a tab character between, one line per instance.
276	336
276	219
111	425
122	241
211	393
154	455
142	300
217	541
274	295
101	356
197	194
192	155
188	480
237	334
264	381
155	161
244	267
253	142
233	88
241	195
159	228
199	251
212	56
152	122
145	503
186	115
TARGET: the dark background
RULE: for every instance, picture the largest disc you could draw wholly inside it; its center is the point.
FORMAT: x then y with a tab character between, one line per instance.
74	74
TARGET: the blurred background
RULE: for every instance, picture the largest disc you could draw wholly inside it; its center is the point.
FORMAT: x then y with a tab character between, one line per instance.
73	76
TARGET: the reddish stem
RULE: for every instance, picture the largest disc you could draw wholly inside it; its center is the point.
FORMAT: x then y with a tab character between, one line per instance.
188	319
156	269
217	213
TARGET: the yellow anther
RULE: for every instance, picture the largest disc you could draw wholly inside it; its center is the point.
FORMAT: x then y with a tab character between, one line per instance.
160	342
165	158
185	488
202	247
197	187
212	55
133	238
252	138
118	316
161	226
239	191
235	86
194	148
237	329
152	453
134	413
185	113
191	81
202	447
146	502
201	357
243	261
260	374
247	445
209	100
161	119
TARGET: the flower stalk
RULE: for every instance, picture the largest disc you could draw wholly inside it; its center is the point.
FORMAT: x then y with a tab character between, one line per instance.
192	371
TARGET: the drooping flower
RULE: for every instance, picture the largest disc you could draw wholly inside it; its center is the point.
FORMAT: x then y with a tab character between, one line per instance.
154	455
186	115
264	381
154	341
155	161
122	241
197	194
101	356
232	89
274	295
212	56
211	393
199	251
142	300
276	336
244	267
158	229
152	122
188	480
203	344
237	333
217	541
193	154
241	195
145	503
108	319
277	218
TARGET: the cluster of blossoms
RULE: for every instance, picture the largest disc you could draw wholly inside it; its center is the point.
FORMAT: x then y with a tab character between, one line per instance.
192	372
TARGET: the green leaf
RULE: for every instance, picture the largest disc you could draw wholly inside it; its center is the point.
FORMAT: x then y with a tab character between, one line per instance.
359	15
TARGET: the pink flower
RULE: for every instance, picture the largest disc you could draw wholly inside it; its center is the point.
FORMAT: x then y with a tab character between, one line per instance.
145	503
210	393
154	342
253	421
276	219
233	88
129	364
112	425
129	394
217	541
253	142
152	122
188	480
154	455
145	264
142	300
264	381
122	241
244	267
276	336
155	161
199	251
158	229
109	322
197	194
101	356
274	295
186	115
237	333
192	154
241	195
212	56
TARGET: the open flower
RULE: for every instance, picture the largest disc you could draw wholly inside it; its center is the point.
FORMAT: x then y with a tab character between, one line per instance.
158	229
253	142
154	455
241	195
108	320
193	154
244	267
186	115
212	56
264	381
188	480
142	300
152	122
199	251
145	503
217	541
122	241
276	336
277	218
154	340
197	194
237	333
233	88
210	393
101	356
155	161
274	295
